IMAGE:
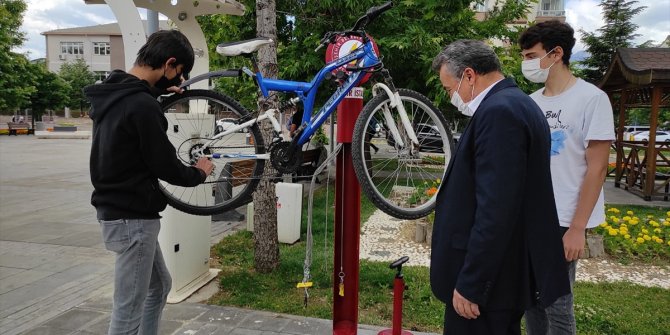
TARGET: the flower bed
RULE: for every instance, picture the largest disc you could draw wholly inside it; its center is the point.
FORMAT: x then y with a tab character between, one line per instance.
631	236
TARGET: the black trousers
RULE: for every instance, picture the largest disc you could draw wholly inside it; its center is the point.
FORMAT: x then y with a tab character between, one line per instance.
501	322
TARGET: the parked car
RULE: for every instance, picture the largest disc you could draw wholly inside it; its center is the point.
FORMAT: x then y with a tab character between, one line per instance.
661	136
428	136
225	123
630	131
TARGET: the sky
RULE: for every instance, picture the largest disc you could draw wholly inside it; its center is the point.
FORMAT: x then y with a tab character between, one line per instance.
653	22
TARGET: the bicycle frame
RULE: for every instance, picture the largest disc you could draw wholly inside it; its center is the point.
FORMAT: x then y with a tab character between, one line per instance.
307	91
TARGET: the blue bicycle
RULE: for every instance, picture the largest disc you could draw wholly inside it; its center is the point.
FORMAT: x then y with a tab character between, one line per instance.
411	139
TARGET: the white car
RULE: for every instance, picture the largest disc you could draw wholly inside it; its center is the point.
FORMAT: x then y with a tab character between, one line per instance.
225	123
661	136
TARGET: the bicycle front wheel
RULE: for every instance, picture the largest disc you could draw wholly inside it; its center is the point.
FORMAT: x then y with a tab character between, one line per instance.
400	177
194	119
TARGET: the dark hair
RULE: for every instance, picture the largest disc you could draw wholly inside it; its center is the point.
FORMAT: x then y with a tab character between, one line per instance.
551	34
462	54
164	44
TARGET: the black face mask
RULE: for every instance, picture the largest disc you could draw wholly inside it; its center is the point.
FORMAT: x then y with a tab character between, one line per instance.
164	83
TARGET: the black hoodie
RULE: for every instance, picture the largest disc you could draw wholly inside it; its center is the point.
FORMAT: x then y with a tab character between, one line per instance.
131	150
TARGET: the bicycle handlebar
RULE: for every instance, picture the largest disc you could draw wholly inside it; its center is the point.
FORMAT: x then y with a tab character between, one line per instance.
357	30
371	14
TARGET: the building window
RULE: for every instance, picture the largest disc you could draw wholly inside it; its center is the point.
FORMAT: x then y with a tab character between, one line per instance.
552	8
101	48
101	75
481	6
72	48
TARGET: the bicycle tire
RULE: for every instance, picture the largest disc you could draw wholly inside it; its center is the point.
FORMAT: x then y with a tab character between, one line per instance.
387	176
232	181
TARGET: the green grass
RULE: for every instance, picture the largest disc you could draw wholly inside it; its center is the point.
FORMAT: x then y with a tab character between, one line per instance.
601	309
621	308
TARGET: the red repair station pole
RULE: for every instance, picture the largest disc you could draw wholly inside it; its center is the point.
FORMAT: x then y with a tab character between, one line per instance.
347	221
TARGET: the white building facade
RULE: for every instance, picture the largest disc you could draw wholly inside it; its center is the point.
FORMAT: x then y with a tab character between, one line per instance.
101	47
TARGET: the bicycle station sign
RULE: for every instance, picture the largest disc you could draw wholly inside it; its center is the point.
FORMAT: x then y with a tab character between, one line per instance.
343	46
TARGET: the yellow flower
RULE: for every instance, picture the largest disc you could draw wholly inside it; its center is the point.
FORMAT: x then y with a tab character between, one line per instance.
626	236
666	223
604	224
640	240
612	209
438	180
613	232
654	223
630	213
615	220
667	213
660	241
646	237
644	231
634	222
626	218
669	243
650	216
657	230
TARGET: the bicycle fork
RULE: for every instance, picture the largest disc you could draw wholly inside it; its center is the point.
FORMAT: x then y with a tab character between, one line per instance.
395	102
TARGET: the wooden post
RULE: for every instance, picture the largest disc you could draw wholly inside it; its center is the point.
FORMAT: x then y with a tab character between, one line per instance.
619	136
651	146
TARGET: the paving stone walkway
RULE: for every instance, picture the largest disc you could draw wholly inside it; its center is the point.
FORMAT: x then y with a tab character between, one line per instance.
54	271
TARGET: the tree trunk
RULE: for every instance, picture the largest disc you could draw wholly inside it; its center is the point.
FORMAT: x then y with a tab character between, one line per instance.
266	246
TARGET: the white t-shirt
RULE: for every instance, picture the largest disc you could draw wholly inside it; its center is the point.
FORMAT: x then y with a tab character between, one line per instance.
576	116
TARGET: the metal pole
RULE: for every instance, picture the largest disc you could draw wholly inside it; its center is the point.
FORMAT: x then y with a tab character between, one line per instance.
347	222
332	132
152	21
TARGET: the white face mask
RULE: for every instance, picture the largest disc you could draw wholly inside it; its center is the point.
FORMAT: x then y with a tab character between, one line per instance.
457	101
532	70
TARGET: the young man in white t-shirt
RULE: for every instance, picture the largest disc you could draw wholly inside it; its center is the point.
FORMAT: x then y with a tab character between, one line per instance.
582	130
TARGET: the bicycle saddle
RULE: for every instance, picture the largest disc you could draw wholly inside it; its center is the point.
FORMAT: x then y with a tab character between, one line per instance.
242	47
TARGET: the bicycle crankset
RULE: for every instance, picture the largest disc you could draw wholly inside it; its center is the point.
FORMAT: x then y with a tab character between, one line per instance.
282	159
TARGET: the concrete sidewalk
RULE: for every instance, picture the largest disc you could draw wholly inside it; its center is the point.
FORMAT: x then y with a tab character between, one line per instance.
55	275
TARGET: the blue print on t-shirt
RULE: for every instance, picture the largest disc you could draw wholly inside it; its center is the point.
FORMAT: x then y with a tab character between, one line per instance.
557	142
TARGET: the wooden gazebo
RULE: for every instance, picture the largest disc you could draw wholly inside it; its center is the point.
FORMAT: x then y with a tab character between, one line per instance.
640	78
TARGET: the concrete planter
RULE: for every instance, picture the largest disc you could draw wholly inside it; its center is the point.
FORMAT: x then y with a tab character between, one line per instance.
420	228
65	128
594	246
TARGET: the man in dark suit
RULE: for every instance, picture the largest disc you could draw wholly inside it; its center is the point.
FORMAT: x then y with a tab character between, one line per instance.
496	247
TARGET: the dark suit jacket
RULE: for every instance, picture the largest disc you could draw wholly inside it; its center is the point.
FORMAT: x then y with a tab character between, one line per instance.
496	234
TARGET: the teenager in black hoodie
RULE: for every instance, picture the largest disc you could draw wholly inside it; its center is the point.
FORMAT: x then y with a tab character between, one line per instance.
130	152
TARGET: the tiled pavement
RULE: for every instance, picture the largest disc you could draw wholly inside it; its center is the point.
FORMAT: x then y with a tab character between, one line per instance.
54	271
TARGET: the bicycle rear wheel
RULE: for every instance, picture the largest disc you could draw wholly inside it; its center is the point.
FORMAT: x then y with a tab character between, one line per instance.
403	181
194	117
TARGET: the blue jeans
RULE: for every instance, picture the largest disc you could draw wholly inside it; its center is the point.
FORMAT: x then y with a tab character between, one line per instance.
141	279
557	319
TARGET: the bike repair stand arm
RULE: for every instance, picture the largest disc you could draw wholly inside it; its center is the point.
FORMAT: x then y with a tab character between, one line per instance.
347	221
398	295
